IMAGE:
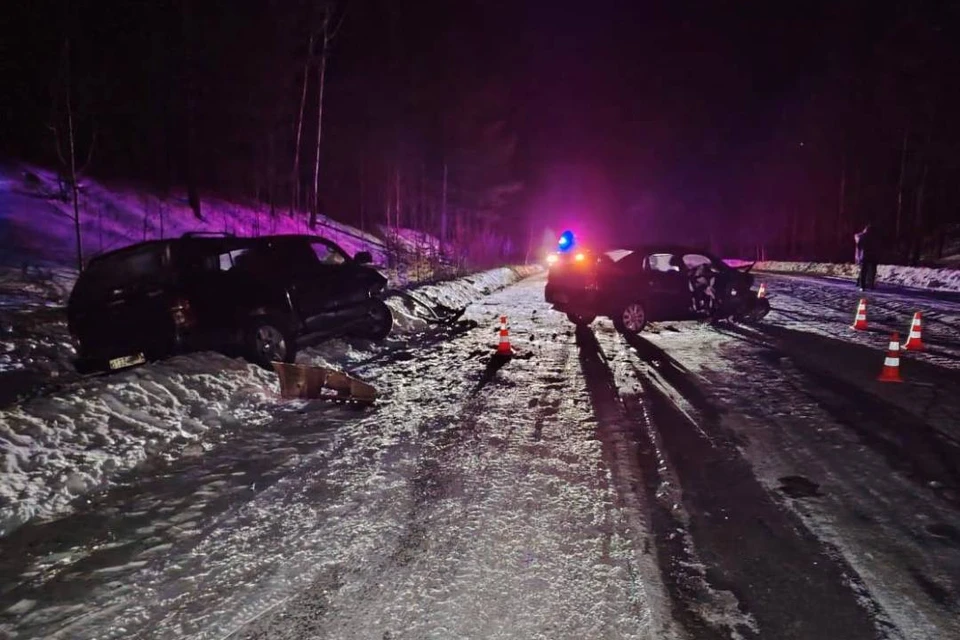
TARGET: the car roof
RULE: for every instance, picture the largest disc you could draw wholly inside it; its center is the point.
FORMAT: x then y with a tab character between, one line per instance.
204	239
663	248
132	248
649	249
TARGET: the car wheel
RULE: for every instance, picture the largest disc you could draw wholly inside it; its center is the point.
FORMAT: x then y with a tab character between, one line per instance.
268	342
379	322
759	311
581	319
632	319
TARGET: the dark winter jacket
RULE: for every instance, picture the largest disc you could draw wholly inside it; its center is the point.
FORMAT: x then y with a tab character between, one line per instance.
866	252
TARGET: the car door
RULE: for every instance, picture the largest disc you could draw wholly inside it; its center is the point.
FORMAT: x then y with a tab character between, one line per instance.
666	279
309	283
339	272
705	293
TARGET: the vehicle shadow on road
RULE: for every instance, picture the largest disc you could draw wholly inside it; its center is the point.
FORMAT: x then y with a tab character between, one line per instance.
674	373
721	547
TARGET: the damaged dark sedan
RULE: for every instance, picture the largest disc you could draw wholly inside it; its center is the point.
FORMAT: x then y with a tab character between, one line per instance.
637	285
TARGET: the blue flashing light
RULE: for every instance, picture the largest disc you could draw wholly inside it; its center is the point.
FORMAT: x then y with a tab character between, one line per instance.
566	241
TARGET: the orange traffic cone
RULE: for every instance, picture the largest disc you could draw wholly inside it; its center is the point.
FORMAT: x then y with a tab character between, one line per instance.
762	291
860	322
891	365
915	339
504	348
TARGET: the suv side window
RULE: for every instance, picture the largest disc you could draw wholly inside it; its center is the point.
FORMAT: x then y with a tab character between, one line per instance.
256	260
228	260
327	254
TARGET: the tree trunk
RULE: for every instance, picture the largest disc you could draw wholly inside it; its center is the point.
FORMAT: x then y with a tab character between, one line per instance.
918	218
396	198
443	207
841	204
71	140
295	174
363	199
903	167
314	209
189	161
73	164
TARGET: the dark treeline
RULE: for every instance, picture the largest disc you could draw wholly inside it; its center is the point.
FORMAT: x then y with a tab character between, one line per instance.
360	110
865	134
771	129
804	122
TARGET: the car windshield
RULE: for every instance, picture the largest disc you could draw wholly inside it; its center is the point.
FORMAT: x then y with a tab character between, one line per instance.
117	271
663	262
694	260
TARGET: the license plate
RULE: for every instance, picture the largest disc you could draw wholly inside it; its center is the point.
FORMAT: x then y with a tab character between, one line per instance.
127	361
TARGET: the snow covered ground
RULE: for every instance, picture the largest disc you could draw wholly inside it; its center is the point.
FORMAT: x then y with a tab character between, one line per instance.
694	482
868	468
472	502
80	432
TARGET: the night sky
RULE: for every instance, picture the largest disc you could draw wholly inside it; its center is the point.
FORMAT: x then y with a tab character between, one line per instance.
729	123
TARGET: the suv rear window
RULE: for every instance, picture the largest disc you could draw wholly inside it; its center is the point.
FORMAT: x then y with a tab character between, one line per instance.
124	269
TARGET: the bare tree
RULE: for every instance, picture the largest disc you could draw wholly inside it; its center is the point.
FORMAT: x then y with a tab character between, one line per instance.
68	161
190	106
326	36
295	176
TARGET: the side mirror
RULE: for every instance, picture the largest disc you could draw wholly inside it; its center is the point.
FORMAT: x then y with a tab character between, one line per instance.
363	257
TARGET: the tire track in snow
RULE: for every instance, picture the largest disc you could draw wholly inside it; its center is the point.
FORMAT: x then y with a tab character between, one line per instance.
780	574
911	445
899	306
644	482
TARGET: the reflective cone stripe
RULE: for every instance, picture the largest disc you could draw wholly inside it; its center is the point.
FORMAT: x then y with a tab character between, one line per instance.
860	321
762	292
915	339
891	364
504	347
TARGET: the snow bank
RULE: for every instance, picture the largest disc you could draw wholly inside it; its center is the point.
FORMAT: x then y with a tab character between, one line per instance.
36	220
62	446
917	277
454	294
58	447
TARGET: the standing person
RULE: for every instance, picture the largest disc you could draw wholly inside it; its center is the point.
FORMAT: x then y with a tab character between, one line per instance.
866	257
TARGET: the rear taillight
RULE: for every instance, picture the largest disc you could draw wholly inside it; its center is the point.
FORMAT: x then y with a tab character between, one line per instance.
181	313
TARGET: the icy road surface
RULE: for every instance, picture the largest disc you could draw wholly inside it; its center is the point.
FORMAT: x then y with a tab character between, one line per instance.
694	482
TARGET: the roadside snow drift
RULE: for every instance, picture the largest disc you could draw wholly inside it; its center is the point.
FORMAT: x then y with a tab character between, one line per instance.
916	277
58	447
454	294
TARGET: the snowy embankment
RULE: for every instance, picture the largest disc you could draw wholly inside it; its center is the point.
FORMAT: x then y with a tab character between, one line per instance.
58	447
915	277
37	229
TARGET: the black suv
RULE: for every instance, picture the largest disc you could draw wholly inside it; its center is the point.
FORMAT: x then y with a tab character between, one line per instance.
261	298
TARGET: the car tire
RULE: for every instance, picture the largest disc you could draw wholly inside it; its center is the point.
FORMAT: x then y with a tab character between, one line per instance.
581	319
632	318
268	341
758	312
379	322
